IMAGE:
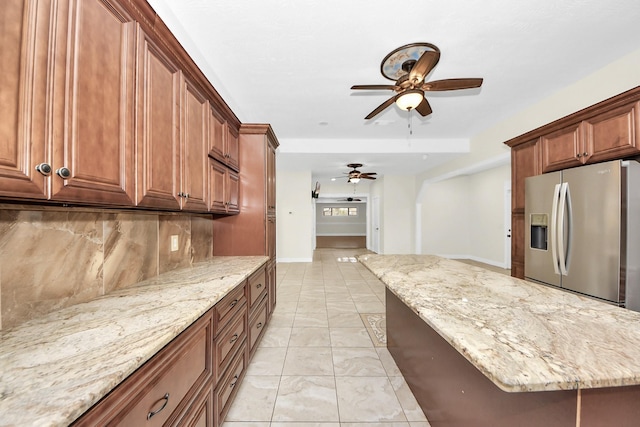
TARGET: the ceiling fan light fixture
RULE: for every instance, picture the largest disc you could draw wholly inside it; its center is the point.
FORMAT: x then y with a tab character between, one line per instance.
354	180
410	99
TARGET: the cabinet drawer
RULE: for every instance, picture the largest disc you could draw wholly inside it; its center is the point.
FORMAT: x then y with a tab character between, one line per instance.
257	287
228	341
201	412
227	307
228	387
257	324
164	387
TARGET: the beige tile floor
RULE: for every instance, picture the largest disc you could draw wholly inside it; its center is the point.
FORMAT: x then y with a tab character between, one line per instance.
317	364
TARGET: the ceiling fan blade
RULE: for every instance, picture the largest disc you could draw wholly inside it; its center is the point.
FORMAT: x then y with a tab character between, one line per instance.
424	108
424	65
367	174
367	177
452	84
381	107
374	87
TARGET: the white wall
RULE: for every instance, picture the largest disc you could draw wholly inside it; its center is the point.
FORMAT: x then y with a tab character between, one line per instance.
294	216
398	215
487	215
445	218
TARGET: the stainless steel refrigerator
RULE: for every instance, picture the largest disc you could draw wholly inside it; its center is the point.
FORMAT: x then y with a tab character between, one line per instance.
582	231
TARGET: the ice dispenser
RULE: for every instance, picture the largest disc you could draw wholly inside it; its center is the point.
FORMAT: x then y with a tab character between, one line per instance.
539	231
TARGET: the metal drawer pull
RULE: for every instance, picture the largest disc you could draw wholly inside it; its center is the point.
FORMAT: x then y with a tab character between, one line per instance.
166	400
233	303
259	325
234	338
259	285
235	377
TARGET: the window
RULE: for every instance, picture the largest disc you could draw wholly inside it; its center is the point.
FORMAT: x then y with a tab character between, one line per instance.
339	211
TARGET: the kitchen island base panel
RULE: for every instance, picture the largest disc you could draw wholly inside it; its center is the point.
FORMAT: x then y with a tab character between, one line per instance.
453	392
613	406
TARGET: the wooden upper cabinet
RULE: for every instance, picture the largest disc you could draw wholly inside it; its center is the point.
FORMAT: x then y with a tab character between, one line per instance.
614	134
195	147
24	29
224	187
93	103
233	144
563	148
606	136
223	141
158	138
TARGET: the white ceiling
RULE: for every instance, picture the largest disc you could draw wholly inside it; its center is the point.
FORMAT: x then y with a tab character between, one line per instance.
291	63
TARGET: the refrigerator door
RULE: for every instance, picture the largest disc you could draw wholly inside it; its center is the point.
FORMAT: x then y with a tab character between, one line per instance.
540	193
593	261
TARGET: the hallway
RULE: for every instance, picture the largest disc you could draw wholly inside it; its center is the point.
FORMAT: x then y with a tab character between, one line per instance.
319	363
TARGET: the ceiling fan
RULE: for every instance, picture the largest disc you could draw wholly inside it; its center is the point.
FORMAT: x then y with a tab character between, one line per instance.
409	65
354	176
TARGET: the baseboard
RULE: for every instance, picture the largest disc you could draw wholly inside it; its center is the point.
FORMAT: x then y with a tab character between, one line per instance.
294	260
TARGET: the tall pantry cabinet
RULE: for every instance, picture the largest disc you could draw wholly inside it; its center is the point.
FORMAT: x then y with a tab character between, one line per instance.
253	232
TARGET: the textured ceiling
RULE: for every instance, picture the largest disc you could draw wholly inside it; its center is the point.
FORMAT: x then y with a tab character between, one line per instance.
291	63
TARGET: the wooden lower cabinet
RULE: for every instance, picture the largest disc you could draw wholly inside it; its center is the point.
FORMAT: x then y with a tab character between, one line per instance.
228	386
201	414
271	280
257	324
192	381
163	389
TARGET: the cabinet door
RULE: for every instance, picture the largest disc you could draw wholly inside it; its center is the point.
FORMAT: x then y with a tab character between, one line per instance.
158	139
525	162
217	129
217	186
195	148
271	180
94	103
232	148
614	134
24	28
233	191
563	149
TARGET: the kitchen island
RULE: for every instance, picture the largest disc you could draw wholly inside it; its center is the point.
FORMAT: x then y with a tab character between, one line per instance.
54	368
481	348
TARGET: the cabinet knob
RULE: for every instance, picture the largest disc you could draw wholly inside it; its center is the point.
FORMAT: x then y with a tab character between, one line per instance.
585	154
44	169
63	173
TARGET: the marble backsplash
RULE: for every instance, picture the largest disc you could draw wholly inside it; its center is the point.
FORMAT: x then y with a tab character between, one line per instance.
54	258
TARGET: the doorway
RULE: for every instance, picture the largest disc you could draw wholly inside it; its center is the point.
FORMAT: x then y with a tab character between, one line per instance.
341	223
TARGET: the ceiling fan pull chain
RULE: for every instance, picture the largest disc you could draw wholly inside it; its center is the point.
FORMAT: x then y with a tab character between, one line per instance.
410	128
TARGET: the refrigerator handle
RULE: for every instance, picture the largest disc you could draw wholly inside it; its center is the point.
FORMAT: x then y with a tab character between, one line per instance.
554	223
565	211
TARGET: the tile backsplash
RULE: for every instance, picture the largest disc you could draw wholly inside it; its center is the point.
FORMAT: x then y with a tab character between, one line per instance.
50	259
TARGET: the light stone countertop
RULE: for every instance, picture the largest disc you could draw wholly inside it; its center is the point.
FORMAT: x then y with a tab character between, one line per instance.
521	335
54	368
